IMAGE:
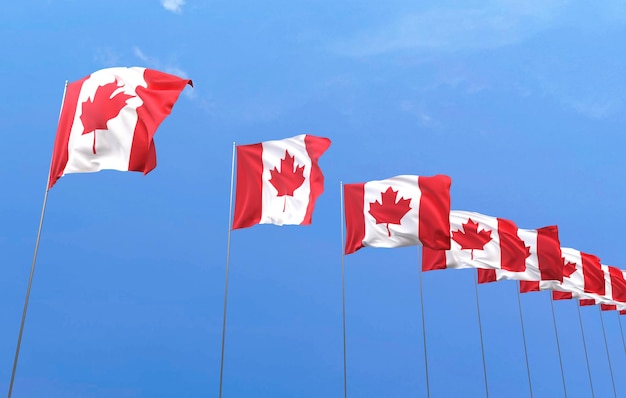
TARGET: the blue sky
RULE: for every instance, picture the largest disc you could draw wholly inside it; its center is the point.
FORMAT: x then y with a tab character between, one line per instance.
522	104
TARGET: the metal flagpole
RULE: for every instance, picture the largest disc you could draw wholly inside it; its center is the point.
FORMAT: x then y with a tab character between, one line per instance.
608	356
230	227
343	295
519	303
32	267
480	329
558	346
619	322
582	332
419	248
30	282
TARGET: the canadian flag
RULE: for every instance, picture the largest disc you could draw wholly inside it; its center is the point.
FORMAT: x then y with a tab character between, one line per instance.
583	277
279	181
405	210
543	263
614	293
479	241
109	118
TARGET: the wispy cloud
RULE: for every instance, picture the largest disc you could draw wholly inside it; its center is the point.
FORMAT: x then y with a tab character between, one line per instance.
155	63
107	57
444	30
175	6
495	24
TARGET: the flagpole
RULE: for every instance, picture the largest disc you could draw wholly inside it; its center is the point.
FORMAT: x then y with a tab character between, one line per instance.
582	332
480	329
32	267
343	294
419	248
608	356
558	346
619	322
230	227
30	282
519	304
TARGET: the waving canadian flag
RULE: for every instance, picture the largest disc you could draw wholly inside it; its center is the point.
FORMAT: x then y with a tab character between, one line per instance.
583	277
543	263
406	210
614	296
109	118
479	241
279	181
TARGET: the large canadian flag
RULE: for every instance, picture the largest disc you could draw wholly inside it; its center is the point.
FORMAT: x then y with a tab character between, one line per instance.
109	118
279	181
405	210
479	241
583	277
543	263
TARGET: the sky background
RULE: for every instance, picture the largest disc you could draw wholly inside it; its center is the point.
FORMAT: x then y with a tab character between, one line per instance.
522	104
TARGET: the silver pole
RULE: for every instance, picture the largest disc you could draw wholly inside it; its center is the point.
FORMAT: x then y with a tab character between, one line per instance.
582	332
480	329
619	322
419	248
558	346
608	356
30	282
32	268
343	295
230	227
519	303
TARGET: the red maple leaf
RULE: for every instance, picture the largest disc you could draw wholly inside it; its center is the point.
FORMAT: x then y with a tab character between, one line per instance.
470	238
104	107
287	179
388	211
568	268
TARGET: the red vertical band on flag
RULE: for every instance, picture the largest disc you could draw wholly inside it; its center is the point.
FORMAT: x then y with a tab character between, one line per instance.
513	251
593	274
158	100
486	275
549	254
315	147
618	284
434	212
68	112
608	307
586	302
528	286
249	191
433	259
354	199
557	295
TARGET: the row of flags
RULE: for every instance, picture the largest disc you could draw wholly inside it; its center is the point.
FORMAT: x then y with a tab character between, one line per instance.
108	121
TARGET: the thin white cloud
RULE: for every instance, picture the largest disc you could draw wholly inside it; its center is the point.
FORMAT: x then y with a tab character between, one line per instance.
495	24
155	63
444	30
175	6
107	57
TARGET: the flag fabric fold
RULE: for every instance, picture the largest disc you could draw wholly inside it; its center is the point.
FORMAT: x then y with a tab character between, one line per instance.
279	181
405	210
109	118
